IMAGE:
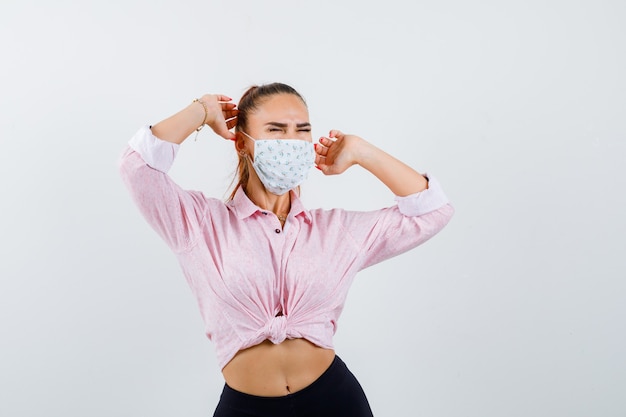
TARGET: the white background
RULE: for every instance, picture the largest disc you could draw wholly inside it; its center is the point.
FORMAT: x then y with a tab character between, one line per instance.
516	309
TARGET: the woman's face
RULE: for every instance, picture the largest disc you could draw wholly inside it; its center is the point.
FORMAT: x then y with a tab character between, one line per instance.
282	116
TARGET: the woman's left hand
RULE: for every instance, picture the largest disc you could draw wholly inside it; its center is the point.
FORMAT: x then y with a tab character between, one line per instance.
337	152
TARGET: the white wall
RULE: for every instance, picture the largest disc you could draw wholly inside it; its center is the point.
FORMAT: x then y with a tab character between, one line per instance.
515	309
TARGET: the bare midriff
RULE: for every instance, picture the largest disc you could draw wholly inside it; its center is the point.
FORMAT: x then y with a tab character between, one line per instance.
270	370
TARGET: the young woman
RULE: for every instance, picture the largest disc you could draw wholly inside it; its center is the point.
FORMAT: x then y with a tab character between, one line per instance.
271	277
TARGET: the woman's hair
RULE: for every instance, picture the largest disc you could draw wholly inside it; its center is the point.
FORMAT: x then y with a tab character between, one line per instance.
248	104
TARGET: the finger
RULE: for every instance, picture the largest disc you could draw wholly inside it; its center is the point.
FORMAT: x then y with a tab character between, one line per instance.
335	133
223	130
321	166
326	142
222	98
326	169
320	149
228	106
230	123
227	134
229	114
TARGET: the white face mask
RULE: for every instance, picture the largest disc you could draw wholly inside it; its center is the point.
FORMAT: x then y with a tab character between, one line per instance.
282	164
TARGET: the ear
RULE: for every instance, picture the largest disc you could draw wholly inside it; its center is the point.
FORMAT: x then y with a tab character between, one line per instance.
240	142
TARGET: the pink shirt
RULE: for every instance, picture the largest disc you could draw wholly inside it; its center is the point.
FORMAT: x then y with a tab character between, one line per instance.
244	269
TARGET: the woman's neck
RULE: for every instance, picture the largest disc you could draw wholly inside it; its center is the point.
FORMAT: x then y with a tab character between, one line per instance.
277	204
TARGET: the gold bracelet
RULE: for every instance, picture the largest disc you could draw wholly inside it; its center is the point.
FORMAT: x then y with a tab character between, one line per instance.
206	113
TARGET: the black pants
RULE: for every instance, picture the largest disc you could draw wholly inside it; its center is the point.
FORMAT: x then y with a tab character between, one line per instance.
336	393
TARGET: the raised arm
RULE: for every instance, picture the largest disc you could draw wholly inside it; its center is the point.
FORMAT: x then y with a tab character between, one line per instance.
214	110
176	214
422	210
339	151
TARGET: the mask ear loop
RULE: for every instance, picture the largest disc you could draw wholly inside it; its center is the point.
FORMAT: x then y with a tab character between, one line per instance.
251	138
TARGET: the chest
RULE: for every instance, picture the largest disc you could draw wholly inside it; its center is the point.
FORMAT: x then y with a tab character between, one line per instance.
260	261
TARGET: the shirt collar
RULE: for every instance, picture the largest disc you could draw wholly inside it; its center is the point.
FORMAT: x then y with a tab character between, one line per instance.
244	207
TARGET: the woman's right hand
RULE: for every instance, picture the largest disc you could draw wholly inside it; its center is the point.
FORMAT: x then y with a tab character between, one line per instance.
221	114
215	110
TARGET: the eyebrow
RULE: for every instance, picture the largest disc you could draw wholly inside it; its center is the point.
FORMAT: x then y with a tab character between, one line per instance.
284	125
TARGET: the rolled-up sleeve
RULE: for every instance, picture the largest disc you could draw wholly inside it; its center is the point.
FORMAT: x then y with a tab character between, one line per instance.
423	202
175	214
156	153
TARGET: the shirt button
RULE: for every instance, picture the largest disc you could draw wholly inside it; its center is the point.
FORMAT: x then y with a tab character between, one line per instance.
277	230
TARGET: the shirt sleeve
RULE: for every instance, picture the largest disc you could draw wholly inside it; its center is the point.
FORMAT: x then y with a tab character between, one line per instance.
175	214
381	234
423	202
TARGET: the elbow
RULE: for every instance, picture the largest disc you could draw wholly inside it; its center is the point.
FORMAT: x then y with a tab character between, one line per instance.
122	161
438	219
445	214
129	167
448	210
